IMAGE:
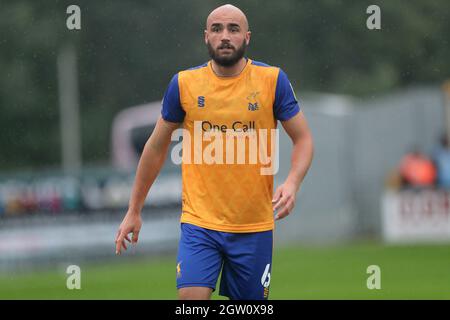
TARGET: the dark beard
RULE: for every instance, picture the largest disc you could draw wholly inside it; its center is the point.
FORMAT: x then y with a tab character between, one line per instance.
227	61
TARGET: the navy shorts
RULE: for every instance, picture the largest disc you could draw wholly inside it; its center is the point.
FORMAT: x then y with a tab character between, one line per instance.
244	258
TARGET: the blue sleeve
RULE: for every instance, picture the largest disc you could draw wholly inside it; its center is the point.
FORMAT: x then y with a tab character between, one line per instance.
171	106
286	104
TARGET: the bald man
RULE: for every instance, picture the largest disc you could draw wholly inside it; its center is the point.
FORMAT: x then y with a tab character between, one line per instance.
229	208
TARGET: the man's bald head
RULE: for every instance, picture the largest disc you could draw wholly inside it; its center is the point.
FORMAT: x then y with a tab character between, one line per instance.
230	13
227	35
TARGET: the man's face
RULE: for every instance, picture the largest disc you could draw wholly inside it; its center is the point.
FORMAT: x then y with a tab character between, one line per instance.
226	39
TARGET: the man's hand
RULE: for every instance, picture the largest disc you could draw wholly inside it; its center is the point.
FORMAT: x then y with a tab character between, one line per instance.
150	163
284	200
302	154
131	224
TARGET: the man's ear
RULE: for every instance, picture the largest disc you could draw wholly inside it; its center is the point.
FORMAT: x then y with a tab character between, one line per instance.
206	37
247	38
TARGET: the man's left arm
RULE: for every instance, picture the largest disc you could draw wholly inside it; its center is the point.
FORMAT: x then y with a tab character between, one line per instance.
302	153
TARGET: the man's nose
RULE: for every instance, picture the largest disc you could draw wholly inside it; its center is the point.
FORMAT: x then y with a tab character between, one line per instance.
225	36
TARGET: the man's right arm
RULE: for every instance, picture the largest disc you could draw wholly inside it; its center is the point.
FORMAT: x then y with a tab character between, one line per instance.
150	163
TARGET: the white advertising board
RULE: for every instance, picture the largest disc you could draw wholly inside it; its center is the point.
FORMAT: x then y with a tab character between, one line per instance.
416	215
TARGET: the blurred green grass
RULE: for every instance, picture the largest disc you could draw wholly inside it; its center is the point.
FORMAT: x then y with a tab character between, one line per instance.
339	272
